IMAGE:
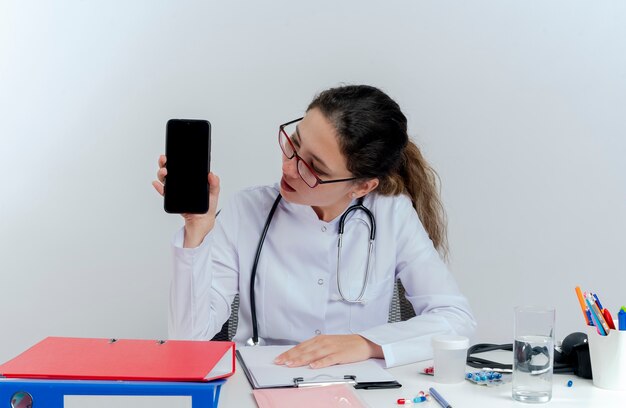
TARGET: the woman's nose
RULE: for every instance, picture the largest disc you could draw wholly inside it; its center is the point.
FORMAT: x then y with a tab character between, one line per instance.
290	166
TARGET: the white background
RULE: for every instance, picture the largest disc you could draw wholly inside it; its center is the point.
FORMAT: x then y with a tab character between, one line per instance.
519	105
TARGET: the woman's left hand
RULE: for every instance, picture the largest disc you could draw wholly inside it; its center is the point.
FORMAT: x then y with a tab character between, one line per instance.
326	350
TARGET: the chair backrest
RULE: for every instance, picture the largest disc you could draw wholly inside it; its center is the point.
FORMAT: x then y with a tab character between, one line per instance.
230	327
399	310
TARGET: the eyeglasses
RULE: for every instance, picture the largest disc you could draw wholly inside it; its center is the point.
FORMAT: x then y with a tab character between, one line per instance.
307	174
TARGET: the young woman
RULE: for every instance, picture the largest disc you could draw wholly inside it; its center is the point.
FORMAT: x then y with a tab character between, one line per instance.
330	300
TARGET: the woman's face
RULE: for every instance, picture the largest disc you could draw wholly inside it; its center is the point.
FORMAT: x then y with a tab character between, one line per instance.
316	142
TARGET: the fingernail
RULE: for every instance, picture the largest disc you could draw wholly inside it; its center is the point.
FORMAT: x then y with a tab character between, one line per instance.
313	365
288	363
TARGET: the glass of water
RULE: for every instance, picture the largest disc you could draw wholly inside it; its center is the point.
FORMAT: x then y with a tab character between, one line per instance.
533	353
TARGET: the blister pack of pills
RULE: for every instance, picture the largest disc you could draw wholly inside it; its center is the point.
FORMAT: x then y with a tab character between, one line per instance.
487	378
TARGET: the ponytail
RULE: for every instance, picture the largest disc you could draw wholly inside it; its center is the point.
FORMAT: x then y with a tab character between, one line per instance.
421	183
372	132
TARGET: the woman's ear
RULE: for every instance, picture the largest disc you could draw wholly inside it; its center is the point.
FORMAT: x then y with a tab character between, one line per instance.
364	187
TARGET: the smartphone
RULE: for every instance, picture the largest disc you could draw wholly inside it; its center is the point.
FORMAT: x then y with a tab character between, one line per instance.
188	153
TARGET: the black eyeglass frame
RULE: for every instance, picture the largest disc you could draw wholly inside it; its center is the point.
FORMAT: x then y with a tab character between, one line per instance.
318	180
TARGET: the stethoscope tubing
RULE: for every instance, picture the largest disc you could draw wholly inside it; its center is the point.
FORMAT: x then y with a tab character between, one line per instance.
255	327
372	227
358	206
254	340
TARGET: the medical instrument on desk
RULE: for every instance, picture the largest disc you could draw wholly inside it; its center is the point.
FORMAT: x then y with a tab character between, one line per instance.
484	364
525	358
571	356
254	340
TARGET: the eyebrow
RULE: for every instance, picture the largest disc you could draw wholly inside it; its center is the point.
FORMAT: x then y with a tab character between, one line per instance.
328	169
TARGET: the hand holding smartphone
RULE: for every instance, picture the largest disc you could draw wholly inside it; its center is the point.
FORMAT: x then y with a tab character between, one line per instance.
188	153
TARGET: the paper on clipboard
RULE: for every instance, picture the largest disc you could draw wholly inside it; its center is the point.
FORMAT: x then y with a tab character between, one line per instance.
258	363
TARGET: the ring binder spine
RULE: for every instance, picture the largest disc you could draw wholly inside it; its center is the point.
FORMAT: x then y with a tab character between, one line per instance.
52	393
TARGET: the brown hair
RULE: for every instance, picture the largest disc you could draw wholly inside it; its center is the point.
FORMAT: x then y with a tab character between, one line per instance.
373	137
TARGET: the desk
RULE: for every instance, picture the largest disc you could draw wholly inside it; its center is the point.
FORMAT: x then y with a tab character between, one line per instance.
238	393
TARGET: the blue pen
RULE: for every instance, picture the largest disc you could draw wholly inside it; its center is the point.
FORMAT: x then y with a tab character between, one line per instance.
596	320
621	317
439	398
598	302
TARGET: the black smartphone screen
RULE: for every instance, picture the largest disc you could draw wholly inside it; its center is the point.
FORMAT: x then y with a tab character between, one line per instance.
188	154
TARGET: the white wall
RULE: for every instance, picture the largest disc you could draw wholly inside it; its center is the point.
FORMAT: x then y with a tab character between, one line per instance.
520	105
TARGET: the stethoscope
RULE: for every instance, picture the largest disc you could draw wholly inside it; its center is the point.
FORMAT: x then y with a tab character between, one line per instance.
254	340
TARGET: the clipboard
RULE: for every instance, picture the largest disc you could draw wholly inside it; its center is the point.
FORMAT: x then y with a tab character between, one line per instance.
257	364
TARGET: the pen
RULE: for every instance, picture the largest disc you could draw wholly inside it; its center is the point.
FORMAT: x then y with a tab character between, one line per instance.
583	307
597	313
597	301
596	320
439	398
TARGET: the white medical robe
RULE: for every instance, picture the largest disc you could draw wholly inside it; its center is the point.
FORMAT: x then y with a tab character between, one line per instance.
296	282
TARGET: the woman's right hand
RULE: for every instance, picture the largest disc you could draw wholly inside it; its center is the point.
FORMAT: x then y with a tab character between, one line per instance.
197	226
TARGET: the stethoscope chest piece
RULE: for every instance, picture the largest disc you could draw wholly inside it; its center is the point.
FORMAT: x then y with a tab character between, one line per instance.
259	342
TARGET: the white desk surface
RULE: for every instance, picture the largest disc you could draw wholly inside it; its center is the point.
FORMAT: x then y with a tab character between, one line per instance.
238	393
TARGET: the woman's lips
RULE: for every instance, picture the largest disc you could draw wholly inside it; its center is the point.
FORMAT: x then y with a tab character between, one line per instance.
286	186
